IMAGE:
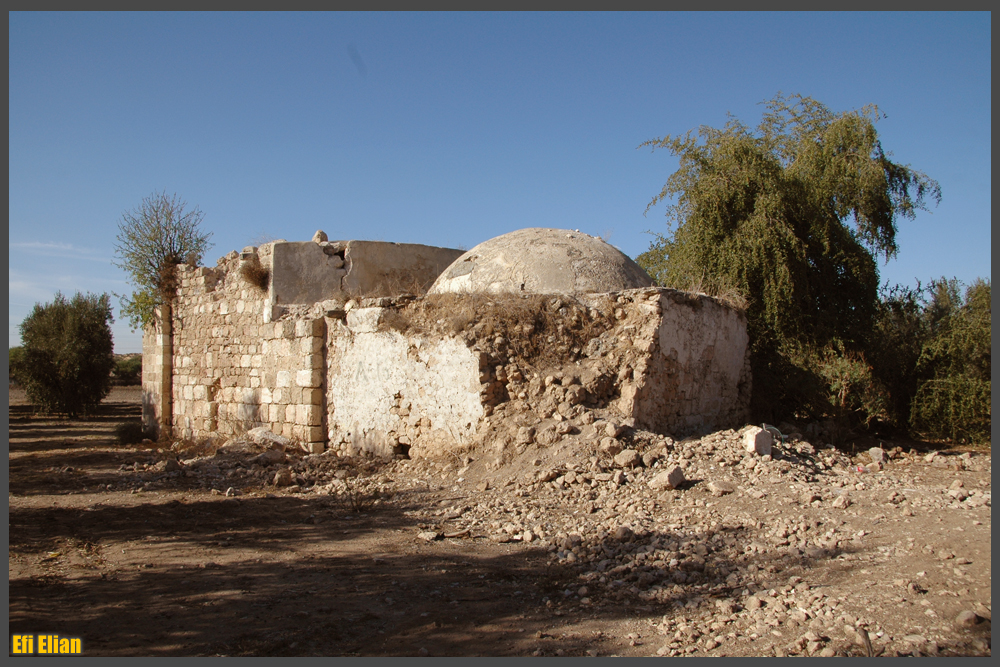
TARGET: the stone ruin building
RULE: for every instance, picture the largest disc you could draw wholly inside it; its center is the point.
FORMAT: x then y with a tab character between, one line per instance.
401	348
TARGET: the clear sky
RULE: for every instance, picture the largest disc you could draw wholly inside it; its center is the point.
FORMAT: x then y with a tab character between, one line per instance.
449	129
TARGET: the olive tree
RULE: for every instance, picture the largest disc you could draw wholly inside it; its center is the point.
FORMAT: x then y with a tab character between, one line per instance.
67	353
152	240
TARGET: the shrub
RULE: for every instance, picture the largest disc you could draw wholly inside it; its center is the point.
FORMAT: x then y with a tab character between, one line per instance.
129	433
68	353
15	364
256	274
957	357
128	370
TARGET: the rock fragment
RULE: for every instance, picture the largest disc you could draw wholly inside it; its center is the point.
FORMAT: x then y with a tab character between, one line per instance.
628	458
668	479
758	441
721	487
967	618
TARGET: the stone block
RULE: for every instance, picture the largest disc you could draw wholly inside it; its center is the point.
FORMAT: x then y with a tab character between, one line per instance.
308	415
284	379
314	447
758	441
312	396
310	378
284	329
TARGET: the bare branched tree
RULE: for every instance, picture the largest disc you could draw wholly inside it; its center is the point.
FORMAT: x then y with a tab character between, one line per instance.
152	240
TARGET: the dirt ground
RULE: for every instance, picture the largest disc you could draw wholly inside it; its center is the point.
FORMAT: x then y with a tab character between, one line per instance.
554	550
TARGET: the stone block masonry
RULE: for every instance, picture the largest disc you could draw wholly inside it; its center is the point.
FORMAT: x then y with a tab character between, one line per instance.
232	371
389	372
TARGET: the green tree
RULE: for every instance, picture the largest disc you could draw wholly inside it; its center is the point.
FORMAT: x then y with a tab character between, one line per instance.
791	214
954	402
15	363
152	240
901	329
68	353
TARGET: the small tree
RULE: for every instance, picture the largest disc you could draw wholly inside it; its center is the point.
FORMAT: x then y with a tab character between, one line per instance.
68	357
152	240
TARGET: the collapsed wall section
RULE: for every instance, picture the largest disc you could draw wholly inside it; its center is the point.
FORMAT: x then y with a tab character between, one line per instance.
445	371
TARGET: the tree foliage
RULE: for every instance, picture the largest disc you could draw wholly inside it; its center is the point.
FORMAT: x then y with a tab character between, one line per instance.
954	401
15	362
67	353
152	240
791	214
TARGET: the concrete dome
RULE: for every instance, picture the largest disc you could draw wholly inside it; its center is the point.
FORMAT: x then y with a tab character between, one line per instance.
542	261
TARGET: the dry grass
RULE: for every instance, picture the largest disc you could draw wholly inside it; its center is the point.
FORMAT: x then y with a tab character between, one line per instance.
256	274
721	290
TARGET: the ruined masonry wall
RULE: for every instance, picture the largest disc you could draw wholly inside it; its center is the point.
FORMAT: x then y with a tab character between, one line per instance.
232	371
387	390
696	375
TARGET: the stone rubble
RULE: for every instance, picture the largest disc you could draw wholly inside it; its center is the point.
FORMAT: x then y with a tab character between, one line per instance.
702	526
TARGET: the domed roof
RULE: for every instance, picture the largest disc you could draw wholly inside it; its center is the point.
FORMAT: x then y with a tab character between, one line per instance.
542	261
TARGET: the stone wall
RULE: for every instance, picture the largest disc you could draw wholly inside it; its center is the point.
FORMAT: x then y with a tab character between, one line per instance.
355	375
233	371
695	375
157	361
387	392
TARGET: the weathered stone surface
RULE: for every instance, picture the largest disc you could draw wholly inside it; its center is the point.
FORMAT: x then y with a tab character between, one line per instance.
283	477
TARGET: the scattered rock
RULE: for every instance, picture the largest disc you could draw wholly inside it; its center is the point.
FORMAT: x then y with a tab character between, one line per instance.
668	479
610	446
429	535
264	436
967	619
628	458
283	477
842	501
721	487
758	441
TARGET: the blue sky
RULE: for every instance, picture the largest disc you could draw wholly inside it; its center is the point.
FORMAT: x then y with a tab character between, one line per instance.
449	129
